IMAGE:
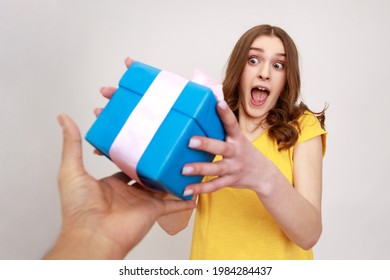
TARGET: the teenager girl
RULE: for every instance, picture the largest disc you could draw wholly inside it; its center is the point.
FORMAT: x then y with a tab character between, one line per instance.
261	197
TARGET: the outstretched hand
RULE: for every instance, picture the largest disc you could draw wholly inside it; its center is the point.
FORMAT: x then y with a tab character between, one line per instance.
102	219
242	165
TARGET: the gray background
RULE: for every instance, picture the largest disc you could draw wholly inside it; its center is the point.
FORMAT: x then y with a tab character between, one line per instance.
55	55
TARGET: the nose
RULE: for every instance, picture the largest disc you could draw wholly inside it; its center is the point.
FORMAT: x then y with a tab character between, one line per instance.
264	71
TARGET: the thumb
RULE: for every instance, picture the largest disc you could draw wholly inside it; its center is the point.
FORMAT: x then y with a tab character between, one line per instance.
71	160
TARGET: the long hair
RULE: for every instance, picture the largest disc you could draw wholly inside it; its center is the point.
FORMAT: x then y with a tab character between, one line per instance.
283	118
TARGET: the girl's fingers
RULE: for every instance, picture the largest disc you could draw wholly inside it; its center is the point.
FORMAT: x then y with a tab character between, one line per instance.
97	111
209	186
128	62
107	92
228	119
212	146
218	168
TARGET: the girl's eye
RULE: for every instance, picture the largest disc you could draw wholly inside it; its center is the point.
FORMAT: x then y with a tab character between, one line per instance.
253	60
279	65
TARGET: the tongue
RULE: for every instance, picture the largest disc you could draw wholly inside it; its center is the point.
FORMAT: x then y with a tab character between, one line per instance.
259	95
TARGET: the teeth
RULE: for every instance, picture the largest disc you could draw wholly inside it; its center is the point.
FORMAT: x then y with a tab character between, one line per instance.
261	88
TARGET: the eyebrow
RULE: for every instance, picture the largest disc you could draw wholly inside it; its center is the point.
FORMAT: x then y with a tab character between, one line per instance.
261	50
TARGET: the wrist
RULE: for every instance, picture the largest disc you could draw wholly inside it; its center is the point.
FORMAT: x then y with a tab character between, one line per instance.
267	187
84	244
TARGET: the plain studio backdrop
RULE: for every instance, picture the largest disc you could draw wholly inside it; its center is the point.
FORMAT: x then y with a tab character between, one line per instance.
55	55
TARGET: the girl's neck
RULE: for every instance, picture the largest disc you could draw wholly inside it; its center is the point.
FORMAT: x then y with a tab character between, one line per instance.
252	128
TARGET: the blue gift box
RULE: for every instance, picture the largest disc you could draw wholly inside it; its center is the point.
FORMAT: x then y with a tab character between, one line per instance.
159	166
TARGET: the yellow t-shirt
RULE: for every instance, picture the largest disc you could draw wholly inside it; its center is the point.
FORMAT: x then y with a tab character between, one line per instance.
233	223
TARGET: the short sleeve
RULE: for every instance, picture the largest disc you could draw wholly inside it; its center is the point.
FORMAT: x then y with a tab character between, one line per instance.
310	128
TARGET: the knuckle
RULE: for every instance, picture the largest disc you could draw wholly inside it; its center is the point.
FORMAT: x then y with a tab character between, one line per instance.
227	149
221	168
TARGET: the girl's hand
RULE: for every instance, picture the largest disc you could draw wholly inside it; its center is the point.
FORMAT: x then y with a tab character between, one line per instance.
108	92
242	165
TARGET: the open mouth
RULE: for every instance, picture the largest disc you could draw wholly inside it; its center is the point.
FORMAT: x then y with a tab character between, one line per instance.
259	95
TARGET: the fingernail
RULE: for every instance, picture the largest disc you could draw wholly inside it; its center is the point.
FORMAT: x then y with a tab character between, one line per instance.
188	192
194	143
222	104
187	170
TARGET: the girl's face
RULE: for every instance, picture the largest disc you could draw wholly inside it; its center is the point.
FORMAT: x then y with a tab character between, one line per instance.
263	78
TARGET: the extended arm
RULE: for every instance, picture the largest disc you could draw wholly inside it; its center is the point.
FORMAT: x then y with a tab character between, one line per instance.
298	210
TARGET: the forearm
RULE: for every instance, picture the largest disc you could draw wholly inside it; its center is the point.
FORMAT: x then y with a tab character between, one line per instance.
299	219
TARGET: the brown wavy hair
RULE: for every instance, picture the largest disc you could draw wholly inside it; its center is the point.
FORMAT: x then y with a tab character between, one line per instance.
283	118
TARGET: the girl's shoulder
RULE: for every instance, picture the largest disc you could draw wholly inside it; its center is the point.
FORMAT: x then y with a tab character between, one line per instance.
308	120
310	127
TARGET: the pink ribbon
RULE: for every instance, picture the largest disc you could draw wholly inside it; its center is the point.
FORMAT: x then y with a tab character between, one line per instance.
201	78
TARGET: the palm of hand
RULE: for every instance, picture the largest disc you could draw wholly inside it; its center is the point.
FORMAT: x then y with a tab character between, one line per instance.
104	204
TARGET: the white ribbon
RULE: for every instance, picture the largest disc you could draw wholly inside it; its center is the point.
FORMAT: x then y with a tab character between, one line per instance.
201	78
144	121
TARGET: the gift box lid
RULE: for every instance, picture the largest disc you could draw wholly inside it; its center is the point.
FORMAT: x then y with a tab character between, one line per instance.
196	101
